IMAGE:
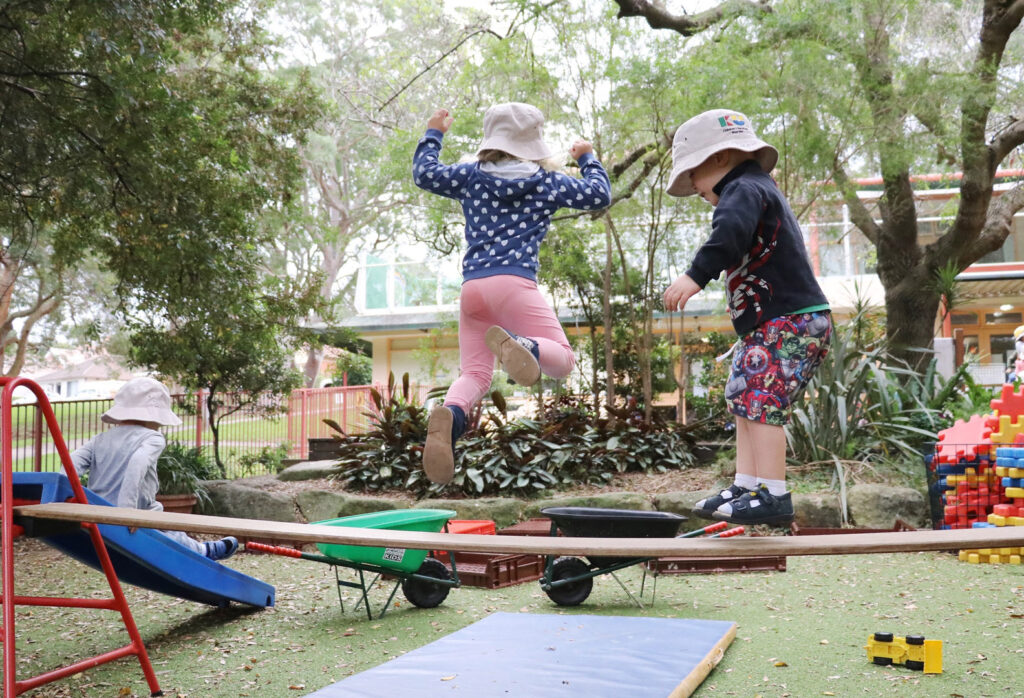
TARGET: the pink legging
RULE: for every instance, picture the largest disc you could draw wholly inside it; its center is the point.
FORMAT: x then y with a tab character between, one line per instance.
514	303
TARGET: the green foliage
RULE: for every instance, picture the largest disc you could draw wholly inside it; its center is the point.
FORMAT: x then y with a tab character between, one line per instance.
389	455
565	446
353	369
268	460
182	469
866	406
143	136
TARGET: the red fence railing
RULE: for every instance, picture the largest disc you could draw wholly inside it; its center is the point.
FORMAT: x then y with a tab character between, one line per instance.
248	427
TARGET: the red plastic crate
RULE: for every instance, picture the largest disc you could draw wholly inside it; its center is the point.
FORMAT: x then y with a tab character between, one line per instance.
481	527
495	571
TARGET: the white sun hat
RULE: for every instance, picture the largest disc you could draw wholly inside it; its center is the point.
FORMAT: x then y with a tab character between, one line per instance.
143	400
708	133
517	129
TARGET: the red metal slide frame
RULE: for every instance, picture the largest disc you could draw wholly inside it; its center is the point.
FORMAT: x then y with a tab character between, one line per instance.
13	687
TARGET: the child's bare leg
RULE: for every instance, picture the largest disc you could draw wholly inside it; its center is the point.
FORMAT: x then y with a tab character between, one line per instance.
746	453
746	474
767	502
768	442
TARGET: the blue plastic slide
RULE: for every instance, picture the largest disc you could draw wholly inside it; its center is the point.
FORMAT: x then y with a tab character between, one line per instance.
146	557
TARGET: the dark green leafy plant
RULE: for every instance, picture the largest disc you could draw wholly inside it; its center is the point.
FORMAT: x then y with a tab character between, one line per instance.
389	455
182	469
565	446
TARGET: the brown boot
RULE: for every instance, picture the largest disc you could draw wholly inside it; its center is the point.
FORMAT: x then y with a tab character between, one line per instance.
438	458
516	359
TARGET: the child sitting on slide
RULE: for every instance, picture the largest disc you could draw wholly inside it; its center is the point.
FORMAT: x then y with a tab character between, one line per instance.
121	462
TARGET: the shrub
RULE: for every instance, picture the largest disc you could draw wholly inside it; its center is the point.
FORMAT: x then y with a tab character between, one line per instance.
182	469
565	446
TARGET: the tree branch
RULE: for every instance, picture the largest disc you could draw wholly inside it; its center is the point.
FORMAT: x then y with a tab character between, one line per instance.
688	25
859	214
1008	138
998	225
430	67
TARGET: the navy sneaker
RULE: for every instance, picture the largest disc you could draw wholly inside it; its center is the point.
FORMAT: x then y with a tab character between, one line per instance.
519	356
758	506
705	508
221	549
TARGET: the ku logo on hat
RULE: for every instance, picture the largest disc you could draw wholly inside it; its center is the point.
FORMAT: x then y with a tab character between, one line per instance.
732	120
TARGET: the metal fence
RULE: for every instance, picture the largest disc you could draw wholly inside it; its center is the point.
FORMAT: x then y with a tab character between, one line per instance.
248	429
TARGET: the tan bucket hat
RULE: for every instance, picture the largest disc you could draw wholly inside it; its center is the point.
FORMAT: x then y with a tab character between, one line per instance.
708	133
144	400
516	129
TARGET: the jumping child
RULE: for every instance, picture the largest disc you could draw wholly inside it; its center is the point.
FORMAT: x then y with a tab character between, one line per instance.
777	308
121	461
508	196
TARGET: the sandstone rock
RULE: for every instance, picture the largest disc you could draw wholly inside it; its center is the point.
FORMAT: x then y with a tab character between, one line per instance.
878	506
501	510
817	510
611	500
230	498
311	470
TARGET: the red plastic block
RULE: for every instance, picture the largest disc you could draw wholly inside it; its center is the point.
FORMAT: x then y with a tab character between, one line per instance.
964	440
1009	403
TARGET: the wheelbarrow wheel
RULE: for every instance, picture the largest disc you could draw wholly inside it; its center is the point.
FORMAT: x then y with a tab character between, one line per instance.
573	593
424	594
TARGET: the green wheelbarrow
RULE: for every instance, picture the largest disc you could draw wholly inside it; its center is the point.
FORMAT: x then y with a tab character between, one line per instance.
425	581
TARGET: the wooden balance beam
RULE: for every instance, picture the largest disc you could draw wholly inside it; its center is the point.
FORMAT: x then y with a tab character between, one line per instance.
740	546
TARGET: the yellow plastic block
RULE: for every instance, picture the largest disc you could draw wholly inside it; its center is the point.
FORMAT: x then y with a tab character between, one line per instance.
1008	430
1014	492
1014	472
997	520
973	558
1015	520
1002	471
962	555
1015	559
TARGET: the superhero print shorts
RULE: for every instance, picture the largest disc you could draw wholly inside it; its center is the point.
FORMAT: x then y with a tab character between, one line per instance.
773	364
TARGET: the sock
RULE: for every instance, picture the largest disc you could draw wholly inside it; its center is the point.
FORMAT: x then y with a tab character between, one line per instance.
745	481
776	488
458	421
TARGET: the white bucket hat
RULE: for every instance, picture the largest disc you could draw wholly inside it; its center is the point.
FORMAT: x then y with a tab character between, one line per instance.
144	400
708	133
516	129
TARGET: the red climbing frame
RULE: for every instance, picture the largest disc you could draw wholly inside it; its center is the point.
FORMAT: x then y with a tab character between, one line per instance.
13	687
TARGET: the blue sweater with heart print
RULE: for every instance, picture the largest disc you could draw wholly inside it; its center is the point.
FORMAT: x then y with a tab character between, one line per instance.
506	219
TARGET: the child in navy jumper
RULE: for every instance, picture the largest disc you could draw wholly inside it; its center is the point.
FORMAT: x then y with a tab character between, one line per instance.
776	305
507	198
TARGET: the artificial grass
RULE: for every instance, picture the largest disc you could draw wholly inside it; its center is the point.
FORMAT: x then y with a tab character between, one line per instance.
801	632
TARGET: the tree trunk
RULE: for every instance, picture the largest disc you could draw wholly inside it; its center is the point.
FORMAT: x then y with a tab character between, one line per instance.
910	318
314	358
211	415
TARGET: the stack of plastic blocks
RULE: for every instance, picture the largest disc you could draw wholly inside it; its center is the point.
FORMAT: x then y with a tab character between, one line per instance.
964	472
994	556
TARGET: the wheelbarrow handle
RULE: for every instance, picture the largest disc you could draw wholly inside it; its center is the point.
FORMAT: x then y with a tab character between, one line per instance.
731	532
273	549
711	528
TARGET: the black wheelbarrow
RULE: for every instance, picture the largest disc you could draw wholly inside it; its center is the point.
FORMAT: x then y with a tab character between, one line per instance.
568	581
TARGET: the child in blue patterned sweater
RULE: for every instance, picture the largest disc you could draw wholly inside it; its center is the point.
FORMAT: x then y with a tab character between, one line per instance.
507	197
